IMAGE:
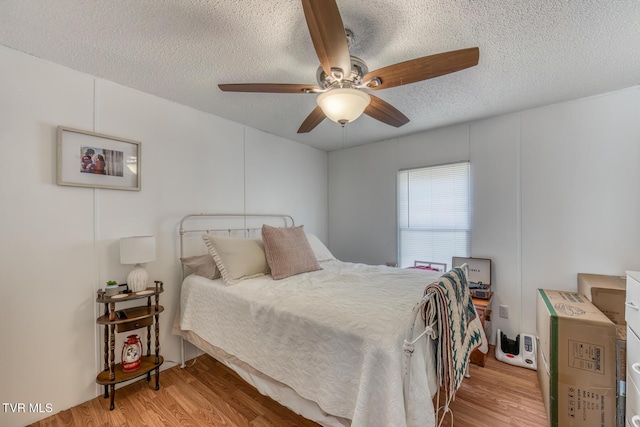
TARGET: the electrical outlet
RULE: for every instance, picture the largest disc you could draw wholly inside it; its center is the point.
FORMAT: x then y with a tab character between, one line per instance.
504	311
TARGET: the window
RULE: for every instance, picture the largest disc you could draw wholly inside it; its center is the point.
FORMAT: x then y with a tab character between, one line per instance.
434	221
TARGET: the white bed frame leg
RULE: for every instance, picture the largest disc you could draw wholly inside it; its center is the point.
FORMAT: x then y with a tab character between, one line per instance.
182	365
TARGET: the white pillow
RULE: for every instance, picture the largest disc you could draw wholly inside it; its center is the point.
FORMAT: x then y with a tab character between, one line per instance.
321	251
237	258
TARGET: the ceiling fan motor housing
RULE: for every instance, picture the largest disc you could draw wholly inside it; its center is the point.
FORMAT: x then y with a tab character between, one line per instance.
358	70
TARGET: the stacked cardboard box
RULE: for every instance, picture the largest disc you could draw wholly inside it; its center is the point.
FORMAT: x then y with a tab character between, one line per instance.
576	360
608	293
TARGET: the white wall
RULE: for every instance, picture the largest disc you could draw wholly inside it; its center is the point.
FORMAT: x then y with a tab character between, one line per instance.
495	166
555	192
362	190
580	186
58	245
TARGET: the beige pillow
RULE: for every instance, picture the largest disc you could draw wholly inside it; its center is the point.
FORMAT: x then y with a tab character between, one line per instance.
288	251
202	265
237	258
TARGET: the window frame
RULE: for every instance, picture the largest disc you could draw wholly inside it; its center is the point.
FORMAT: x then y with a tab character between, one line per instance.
468	230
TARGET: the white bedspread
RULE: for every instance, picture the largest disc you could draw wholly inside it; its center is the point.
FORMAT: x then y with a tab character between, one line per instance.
335	336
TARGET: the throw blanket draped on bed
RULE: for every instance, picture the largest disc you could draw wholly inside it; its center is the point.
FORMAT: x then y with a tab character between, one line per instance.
459	329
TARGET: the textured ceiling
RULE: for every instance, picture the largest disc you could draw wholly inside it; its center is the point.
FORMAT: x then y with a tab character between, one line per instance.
532	53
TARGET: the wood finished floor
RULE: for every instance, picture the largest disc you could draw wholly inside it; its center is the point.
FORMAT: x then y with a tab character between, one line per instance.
209	394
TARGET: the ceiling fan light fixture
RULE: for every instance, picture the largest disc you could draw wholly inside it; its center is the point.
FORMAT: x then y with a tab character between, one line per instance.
343	105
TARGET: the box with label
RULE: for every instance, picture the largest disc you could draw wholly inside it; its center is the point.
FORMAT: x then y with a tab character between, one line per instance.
576	360
608	293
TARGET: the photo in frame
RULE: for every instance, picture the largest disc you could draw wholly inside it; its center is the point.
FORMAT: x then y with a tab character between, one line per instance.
89	159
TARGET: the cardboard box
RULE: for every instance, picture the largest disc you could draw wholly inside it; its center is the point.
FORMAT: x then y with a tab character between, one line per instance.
621	373
608	293
576	360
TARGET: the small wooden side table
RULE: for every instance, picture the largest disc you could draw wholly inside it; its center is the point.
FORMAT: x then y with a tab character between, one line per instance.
484	313
130	319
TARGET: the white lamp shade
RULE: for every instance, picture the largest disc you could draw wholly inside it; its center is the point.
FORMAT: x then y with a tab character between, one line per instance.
343	105
137	250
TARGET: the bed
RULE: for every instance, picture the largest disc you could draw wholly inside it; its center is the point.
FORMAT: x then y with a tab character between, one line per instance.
330	343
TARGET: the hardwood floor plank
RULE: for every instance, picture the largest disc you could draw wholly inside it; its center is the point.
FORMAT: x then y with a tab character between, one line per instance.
208	393
183	418
263	422
218	402
184	401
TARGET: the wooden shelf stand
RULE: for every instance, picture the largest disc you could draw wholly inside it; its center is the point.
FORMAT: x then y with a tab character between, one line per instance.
146	316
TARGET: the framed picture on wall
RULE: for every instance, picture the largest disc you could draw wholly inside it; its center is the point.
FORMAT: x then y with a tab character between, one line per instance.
89	159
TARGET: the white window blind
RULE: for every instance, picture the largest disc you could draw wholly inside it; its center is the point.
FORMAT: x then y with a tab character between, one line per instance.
434	221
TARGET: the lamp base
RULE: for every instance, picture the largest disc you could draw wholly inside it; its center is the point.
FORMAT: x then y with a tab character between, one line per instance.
138	279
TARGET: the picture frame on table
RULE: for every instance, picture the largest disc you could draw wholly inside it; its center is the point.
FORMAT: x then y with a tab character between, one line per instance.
90	159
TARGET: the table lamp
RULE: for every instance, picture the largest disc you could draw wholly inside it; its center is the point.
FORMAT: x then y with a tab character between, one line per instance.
137	250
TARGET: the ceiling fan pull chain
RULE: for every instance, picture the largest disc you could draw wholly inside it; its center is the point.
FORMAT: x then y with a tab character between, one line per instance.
344	136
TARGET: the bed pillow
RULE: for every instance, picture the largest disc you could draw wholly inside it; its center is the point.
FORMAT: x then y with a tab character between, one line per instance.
202	265
288	251
321	251
237	258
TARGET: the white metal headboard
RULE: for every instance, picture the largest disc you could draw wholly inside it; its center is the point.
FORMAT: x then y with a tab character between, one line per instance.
231	224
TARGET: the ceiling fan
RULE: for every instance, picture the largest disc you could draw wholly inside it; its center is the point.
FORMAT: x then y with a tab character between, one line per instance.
343	80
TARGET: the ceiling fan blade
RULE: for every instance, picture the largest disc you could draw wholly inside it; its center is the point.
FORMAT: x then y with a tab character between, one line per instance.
268	87
424	68
312	120
328	35
385	112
